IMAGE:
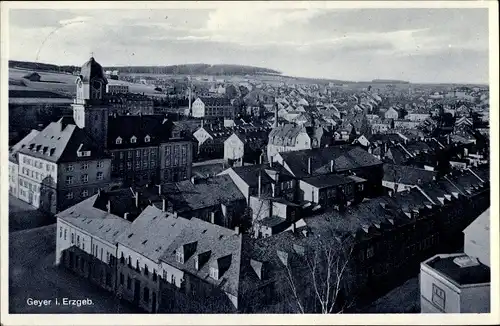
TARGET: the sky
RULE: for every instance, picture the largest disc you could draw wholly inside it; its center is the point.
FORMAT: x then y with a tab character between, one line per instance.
418	45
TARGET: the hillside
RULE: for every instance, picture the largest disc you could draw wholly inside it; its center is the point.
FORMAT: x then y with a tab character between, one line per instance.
188	69
196	69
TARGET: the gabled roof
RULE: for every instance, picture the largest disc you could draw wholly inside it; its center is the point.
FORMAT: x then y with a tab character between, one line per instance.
285	134
208	192
152	233
60	141
407	174
345	158
96	222
157	127
221	242
326	181
13	157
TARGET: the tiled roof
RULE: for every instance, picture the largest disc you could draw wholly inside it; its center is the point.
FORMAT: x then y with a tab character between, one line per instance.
345	158
329	180
157	127
217	242
152	232
204	193
60	141
97	222
285	134
213	101
13	157
407	174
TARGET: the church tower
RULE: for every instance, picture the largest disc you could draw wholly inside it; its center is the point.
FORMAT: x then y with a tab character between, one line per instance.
90	111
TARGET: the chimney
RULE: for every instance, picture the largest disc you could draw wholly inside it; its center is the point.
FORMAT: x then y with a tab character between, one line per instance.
259	189
109	206
126	216
237	230
159	189
164	205
137	199
332	163
260	158
309	165
294	228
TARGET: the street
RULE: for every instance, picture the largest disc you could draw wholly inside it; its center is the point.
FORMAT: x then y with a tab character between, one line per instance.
33	276
24	216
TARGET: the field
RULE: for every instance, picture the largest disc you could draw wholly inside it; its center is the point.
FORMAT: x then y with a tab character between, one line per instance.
65	83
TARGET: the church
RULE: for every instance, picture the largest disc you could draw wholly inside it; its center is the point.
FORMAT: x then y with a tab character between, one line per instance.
74	157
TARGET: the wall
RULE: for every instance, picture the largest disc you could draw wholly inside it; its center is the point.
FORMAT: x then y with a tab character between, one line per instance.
14	179
198	109
475	299
175	161
79	190
452	297
479	247
233	148
308	192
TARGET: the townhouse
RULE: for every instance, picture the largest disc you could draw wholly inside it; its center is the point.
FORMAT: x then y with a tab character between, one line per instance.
210	107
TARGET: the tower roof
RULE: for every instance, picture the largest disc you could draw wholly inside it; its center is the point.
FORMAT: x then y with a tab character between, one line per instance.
92	69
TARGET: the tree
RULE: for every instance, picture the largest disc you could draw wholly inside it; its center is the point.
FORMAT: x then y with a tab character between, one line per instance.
320	279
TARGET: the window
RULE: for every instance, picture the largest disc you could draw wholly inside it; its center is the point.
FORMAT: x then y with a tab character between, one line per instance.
153	164
47	167
72	238
78	240
69	167
121	155
65	232
147	139
85	193
438	296
138	165
85	178
85	166
129	165
133	140
60	232
179	257
99	175
69	180
118	140
154	275
138	153
69	195
146	294
101	253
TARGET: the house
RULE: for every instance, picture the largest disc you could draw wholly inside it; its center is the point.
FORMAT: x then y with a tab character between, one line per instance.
331	190
124	103
117	88
246	145
459	283
148	148
216	200
14	162
34	77
391	113
206	107
86	239
211	141
401	177
60	166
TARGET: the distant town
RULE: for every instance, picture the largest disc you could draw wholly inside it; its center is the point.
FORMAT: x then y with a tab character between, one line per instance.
236	189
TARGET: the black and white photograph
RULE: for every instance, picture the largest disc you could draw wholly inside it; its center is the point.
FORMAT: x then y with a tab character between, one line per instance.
177	159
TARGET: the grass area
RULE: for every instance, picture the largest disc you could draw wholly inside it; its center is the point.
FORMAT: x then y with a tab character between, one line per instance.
32	275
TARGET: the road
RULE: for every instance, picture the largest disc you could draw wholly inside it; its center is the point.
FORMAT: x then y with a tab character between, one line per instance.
24	216
32	274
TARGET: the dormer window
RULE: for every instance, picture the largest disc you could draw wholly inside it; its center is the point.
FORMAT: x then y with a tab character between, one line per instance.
133	140
214	273
147	139
118	140
179	257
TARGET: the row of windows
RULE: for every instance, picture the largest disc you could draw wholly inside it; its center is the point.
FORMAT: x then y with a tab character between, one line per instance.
33	174
63	234
84	166
138	268
84	194
31	186
133	139
145	292
84	178
172	157
38	164
130	154
137	166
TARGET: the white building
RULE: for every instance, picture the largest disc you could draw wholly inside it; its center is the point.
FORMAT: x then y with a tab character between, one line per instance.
234	149
459	283
287	138
14	162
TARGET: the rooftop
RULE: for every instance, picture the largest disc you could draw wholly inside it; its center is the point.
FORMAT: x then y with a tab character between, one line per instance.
446	265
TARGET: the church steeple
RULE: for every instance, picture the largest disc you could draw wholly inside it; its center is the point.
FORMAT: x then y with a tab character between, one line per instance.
90	110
